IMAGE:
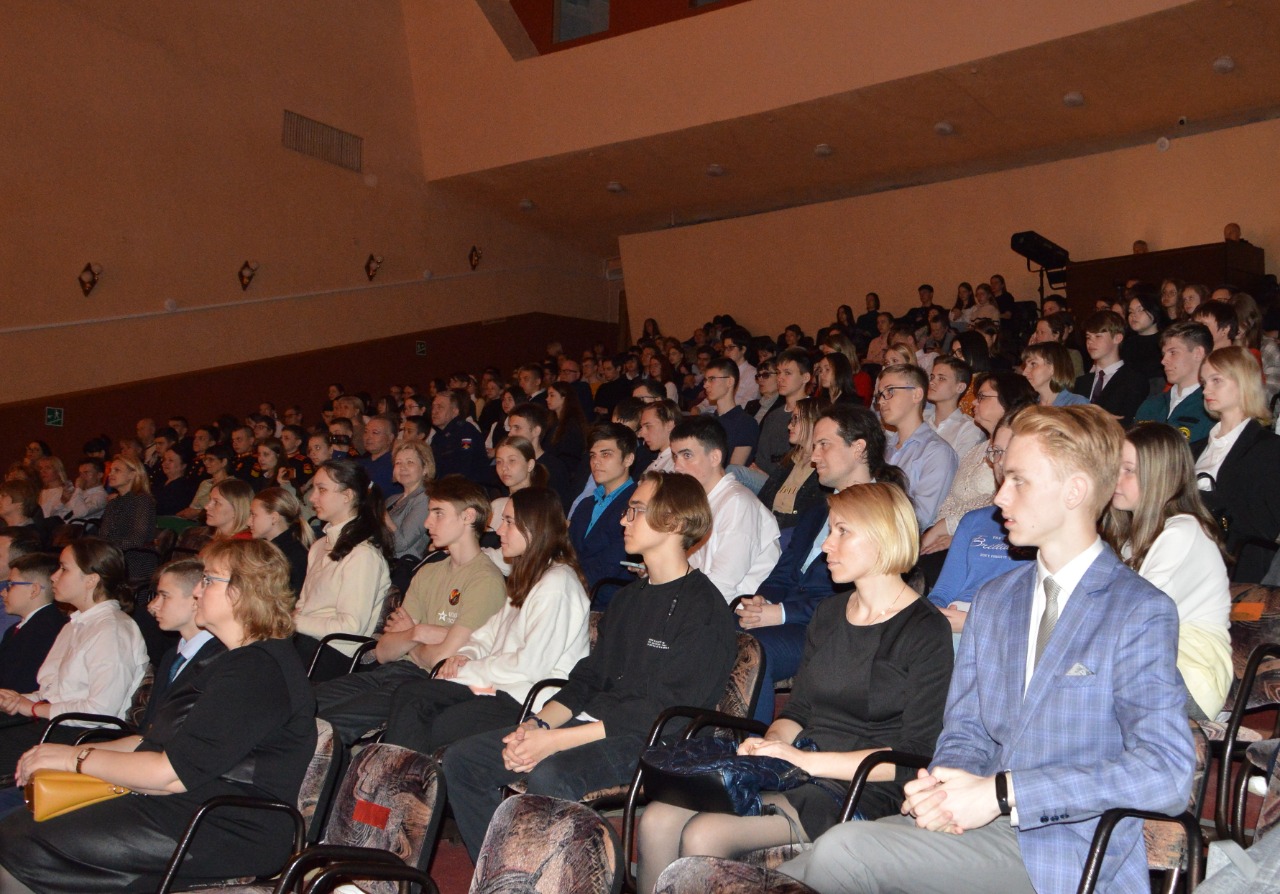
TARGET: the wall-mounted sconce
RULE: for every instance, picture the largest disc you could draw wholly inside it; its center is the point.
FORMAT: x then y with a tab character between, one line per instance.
247	272
89	277
371	266
474	256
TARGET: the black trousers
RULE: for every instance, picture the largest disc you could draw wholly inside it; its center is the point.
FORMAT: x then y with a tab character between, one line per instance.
429	714
357	703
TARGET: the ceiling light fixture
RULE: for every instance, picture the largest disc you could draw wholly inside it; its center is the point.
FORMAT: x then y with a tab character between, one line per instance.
715	170
615	187
823	150
89	277
1224	65
944	128
247	272
1073	100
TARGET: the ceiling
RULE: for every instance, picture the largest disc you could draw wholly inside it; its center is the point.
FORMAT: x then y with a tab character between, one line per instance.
1138	79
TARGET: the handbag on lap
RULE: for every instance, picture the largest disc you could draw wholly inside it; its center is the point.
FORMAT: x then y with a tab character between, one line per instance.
708	775
52	793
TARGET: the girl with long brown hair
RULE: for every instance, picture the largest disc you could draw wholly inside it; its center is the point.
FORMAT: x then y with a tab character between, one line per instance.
540	632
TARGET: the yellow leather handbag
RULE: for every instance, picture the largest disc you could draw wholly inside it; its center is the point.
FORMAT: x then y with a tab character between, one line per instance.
51	793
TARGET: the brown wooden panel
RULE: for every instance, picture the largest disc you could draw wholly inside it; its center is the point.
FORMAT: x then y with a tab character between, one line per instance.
295	379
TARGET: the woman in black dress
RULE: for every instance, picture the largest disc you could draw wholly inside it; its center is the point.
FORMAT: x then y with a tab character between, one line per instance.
875	672
208	739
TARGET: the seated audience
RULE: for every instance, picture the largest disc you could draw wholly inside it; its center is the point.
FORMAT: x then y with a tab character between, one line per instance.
275	515
14	544
974	485
20	505
667	639
1047	366
129	519
379	436
848	450
23	647
446	602
413	465
1159	526
741	431
1110	383
455	441
656	422
834	375
979	548
948	382
540	631
1183	348
174	608
95	664
493	421
767	377
743	545
216	742
595	528
218	461
88	497
567	437
793	487
793	373
177	488
347	575
1236	464
227	511
52	478
873	675
734	342
1141	348
912	445
517	468
1016	736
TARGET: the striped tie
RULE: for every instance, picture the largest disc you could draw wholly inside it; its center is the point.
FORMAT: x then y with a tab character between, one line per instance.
1049	618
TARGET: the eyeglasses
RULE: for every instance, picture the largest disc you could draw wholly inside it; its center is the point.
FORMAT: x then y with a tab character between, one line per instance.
995	454
988	396
765	375
632	512
208	579
720	377
887	393
21	583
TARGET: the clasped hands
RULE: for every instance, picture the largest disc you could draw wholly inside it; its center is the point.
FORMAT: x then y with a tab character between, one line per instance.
754	611
947	800
13	703
527	746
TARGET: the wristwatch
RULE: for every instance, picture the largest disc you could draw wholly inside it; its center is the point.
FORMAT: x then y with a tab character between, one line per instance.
1002	793
80	758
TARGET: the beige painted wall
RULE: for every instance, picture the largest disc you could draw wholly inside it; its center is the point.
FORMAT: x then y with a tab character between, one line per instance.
145	136
797	265
740	60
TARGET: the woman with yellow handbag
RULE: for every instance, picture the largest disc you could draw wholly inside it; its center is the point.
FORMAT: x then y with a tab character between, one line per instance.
244	724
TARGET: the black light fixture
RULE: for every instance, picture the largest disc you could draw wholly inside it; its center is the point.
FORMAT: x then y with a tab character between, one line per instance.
474	256
1051	259
371	266
89	277
247	271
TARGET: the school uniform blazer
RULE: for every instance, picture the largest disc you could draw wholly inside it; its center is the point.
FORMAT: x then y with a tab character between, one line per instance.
600	551
23	649
1101	725
799	592
1122	393
1247	492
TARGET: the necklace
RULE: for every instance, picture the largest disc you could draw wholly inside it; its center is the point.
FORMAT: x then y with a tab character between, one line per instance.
891	604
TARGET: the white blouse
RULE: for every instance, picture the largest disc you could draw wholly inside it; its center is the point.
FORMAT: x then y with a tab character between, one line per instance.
95	665
346	596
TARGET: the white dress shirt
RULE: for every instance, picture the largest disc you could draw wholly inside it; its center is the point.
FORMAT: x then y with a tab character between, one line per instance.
744	542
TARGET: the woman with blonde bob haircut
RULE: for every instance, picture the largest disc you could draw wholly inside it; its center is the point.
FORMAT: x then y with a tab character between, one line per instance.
227	511
1159	526
206	740
1237	462
874	675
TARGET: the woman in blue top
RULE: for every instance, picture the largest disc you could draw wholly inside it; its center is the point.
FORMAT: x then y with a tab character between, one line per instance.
1047	366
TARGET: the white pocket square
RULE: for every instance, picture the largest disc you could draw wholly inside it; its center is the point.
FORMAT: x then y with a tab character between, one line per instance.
1079	670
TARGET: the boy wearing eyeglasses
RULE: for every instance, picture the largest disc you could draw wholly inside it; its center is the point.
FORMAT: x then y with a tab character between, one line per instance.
24	646
913	446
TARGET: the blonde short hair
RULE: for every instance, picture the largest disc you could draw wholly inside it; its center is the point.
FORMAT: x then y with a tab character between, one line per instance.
1084	439
141	481
422	449
884	513
1241	367
259	575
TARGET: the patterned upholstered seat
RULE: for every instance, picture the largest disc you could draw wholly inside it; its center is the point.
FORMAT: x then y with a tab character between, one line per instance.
317	785
1263	755
541	845
699	875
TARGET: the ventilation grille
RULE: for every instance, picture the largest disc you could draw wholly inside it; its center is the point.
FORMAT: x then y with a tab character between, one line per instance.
322	141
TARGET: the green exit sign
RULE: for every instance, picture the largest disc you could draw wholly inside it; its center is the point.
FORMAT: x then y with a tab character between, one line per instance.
53	416
420	348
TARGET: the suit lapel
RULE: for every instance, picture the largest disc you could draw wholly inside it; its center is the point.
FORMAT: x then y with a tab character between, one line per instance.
1244	443
1076	620
1020	637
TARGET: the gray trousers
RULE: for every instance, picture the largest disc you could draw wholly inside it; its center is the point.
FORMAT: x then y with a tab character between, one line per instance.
893	856
357	703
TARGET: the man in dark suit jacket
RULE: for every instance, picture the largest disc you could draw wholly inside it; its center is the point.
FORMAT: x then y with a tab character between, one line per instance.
778	615
29	596
596	526
174	609
1122	389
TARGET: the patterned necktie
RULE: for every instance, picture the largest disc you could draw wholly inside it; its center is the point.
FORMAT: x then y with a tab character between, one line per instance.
1049	618
178	662
1097	387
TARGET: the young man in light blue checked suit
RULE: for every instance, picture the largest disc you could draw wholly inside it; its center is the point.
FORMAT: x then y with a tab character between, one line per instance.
1065	701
